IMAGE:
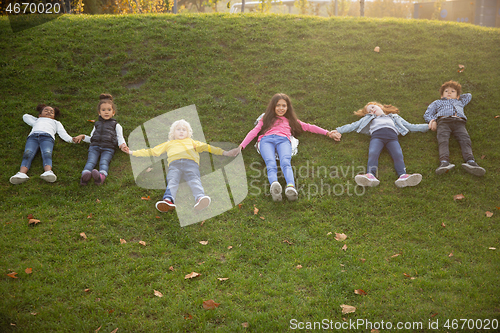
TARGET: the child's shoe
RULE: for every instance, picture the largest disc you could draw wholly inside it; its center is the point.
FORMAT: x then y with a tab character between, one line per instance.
85	178
49	176
444	167
165	205
276	191
19	178
474	169
408	180
291	193
98	177
366	180
202	203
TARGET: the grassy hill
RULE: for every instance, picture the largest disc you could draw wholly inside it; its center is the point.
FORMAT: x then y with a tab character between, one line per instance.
419	255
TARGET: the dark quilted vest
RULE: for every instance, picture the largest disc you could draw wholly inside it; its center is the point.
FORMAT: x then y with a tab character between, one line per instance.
105	134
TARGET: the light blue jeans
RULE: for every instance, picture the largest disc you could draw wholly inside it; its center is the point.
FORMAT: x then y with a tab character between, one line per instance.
41	140
190	171
106	155
269	145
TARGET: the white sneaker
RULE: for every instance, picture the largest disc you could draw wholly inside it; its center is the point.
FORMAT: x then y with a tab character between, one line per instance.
49	176
202	203
366	180
408	180
276	191
19	178
291	193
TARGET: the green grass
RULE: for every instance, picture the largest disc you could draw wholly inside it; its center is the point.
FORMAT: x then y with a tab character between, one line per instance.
230	66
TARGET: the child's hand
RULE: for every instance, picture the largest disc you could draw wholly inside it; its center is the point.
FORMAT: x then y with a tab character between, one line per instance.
233	152
124	148
79	138
433	125
334	135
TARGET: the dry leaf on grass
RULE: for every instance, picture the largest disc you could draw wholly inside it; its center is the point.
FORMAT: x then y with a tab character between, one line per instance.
461	68
97	330
362	260
222	279
30	216
376	49
287	241
344	247
115	330
33	221
298	266
146	198
171	268
86	290
203	242
229	247
255	210
123	241
458	197
239	206
360	292
347	309
12	275
245	324
28	270
82	234
210	304
157	293
143	243
188	316
451	254
492	248
488	214
89	216
340	237
395	255
192	275
91	121
443	225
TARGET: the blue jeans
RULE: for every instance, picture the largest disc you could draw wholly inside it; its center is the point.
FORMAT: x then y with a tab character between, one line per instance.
269	145
41	140
385	137
190	171
94	153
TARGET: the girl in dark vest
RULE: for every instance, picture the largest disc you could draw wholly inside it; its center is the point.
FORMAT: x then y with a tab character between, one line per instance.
104	138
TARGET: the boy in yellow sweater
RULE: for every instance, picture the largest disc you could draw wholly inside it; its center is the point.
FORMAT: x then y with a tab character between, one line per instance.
183	162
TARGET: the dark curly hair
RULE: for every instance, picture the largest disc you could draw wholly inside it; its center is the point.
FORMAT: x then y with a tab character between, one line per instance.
452	84
40	108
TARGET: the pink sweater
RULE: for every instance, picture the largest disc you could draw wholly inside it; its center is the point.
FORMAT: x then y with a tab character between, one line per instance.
280	127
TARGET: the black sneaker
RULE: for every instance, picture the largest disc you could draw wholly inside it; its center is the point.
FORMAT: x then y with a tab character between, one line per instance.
474	169
444	167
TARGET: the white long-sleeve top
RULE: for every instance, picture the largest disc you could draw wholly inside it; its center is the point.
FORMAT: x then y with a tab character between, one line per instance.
47	125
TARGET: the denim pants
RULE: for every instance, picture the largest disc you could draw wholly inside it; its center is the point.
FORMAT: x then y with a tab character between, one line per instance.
41	140
106	155
385	137
269	145
447	126
189	170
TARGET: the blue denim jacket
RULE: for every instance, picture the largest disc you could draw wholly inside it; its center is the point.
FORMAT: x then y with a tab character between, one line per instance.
363	125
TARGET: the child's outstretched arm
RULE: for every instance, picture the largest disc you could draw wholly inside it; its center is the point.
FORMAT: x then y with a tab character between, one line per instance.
233	152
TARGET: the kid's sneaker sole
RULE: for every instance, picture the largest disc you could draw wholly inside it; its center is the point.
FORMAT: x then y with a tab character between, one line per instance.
291	194
16	179
362	180
164	206
202	203
441	170
49	178
276	191
412	180
474	170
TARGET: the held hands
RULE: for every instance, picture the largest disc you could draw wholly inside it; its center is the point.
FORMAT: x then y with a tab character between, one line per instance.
233	152
124	148
433	125
79	138
334	135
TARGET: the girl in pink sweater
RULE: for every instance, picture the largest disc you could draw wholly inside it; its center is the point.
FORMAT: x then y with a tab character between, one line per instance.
274	130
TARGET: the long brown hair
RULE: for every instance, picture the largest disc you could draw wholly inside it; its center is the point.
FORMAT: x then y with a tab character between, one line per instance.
387	108
270	116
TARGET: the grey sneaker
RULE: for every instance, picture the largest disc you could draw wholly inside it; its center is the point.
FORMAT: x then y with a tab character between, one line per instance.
474	169
291	193
49	176
444	167
19	178
276	191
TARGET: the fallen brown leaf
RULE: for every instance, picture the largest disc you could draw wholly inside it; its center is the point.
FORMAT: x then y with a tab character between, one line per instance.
123	241
360	292
143	243
171	268
458	197
203	242
376	49
97	330
340	237
489	214
443	225
229	247
451	254
188	316
33	313
262	217
328	234
492	248
157	293
86	290
255	210
298	266
210	304
483	157
374	330
115	330
287	241
30	216
33	221
28	270
344	247
434	315
91	120
82	234
97	200
222	279
192	275
239	206
347	309
89	216
12	275
395	255
146	198
245	324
